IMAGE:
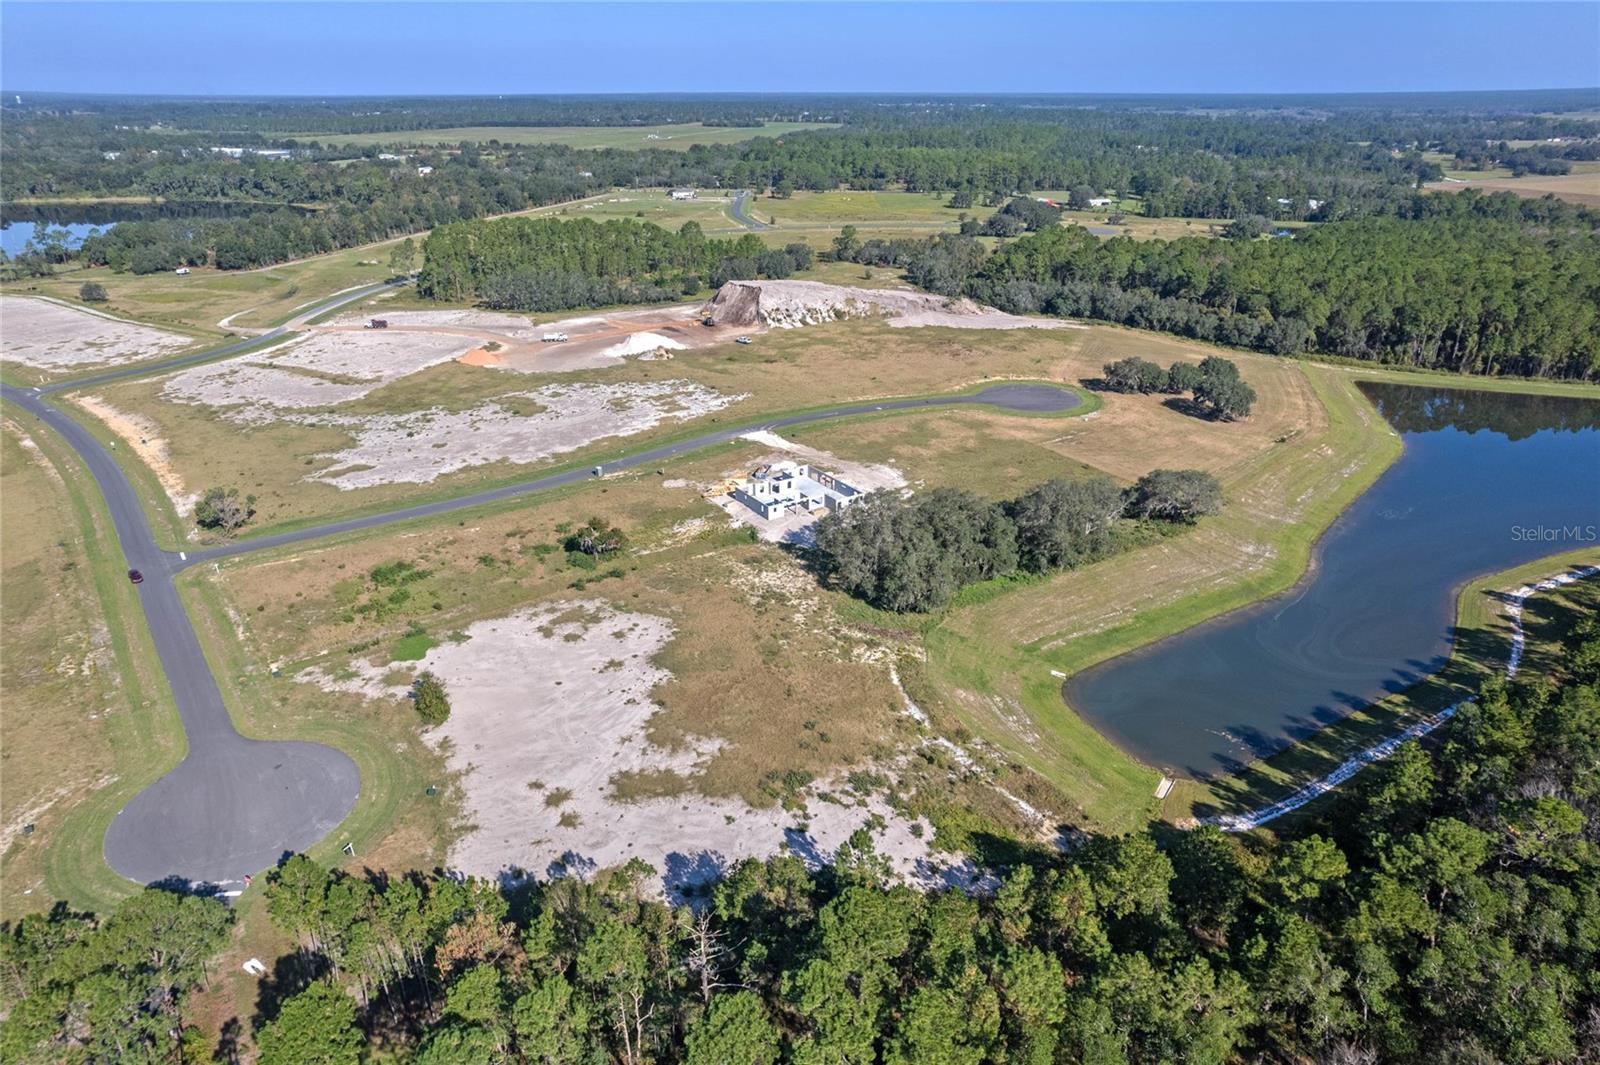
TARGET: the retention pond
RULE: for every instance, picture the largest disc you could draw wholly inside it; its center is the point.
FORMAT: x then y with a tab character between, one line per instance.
1486	481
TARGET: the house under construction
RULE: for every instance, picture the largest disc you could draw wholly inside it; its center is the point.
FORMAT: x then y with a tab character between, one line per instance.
793	487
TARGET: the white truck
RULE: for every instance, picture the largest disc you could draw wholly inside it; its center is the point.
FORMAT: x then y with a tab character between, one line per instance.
554	338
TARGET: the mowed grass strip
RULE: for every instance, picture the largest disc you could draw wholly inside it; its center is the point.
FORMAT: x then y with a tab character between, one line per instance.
1312	447
89	721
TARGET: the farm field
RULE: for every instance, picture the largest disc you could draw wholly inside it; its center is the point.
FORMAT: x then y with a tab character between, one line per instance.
1582	187
863	208
676	137
709	208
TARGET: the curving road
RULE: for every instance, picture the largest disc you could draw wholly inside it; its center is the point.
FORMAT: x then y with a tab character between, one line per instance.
235	806
1020	398
738	213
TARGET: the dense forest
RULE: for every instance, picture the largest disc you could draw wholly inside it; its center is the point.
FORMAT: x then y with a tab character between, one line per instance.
546	264
1445	908
1469	283
1465	283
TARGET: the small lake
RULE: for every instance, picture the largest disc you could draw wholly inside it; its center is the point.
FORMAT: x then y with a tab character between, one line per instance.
20	223
1486	481
15	236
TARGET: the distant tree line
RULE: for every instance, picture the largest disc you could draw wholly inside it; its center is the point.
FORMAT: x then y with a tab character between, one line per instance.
543	264
1442	908
914	554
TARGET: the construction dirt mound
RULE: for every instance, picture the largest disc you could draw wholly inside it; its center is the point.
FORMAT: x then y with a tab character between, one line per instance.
789	304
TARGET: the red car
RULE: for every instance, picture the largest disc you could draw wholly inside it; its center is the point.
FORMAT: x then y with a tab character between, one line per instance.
135	576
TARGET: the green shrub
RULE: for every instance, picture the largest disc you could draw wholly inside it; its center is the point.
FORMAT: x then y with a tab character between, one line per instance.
431	700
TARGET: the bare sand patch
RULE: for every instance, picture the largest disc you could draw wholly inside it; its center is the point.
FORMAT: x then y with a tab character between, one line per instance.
790	304
551	704
144	437
515	342
319	370
56	336
468	322
420	447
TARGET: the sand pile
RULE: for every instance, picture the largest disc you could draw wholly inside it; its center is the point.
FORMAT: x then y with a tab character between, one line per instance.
643	344
790	304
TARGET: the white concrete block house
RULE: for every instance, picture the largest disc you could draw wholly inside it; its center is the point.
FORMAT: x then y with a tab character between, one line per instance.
793	487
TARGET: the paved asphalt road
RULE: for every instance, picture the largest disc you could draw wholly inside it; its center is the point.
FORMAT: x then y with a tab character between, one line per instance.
235	805
1013	397
739	214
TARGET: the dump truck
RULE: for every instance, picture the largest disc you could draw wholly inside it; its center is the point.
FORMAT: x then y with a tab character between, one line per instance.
554	338
378	323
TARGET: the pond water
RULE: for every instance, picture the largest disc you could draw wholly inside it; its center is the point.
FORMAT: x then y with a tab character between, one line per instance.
14	236
20	223
1486	481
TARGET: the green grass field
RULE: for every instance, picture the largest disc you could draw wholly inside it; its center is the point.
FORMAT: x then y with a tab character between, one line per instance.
995	665
709	208
851	207
677	137
89	719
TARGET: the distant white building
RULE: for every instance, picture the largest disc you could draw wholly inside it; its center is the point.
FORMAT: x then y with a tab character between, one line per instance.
424	171
682	194
1315	205
1101	201
389	157
793	487
110	157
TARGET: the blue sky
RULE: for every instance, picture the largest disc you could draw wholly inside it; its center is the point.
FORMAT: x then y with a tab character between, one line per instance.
419	48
